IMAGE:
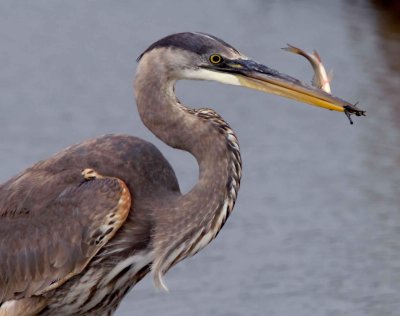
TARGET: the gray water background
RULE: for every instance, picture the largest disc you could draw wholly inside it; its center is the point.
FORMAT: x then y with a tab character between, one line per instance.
316	228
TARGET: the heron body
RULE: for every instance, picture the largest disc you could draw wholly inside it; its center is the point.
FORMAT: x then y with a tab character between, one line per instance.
79	229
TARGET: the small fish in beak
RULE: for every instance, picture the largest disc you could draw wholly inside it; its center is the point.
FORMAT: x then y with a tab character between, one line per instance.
321	79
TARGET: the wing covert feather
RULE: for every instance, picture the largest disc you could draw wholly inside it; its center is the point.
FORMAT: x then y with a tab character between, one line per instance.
49	232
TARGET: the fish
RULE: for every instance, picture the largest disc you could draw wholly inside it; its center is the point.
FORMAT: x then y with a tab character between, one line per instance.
321	79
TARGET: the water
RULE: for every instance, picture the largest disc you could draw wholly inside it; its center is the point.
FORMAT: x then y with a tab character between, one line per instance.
316	228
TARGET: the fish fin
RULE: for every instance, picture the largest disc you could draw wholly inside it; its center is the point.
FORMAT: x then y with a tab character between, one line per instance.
330	76
315	53
315	83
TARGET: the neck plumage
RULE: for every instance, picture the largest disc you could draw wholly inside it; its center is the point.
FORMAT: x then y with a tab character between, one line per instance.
191	220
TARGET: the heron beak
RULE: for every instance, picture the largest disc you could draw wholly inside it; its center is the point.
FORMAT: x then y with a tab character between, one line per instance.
259	77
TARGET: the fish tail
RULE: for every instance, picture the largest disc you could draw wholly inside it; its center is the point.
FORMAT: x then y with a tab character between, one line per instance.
293	49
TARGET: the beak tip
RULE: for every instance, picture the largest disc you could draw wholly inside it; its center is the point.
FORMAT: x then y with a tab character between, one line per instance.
353	109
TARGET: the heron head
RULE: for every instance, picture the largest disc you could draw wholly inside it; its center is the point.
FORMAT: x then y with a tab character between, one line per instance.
204	57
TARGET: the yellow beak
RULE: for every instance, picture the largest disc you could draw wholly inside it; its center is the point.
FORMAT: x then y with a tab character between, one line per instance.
257	76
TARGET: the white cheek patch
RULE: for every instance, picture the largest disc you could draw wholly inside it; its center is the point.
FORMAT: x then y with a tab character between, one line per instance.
205	74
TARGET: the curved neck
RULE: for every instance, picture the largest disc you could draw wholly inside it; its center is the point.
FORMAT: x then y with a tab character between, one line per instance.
203	133
192	220
175	124
161	111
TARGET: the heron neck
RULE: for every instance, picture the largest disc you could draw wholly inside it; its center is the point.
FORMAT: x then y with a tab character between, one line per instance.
188	222
181	127
203	133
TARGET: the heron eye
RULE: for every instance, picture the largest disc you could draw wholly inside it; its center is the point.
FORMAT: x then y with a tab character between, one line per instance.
216	59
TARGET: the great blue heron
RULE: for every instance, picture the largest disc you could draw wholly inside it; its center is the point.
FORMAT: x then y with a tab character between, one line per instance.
79	229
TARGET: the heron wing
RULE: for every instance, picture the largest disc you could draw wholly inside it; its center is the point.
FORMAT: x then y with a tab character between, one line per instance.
51	225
